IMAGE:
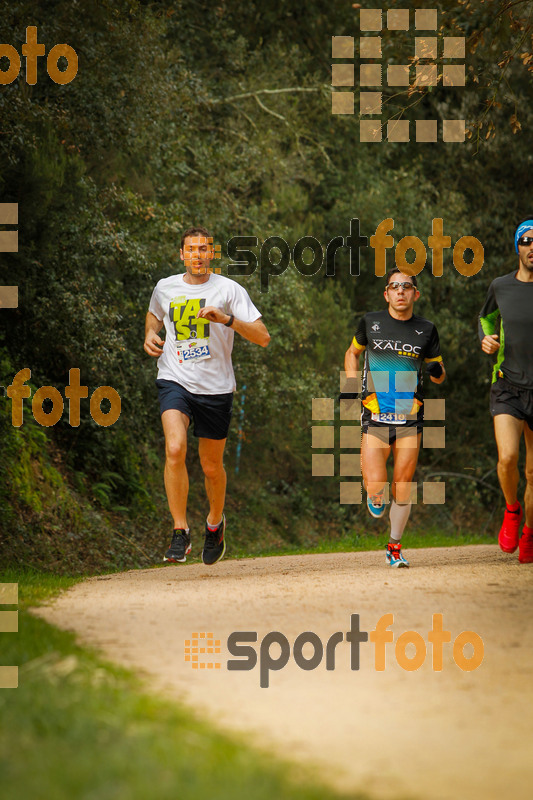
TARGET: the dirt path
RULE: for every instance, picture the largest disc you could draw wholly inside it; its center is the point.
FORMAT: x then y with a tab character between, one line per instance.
396	733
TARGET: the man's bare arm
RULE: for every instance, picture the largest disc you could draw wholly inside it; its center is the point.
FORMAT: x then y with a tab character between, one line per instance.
351	360
255	332
153	344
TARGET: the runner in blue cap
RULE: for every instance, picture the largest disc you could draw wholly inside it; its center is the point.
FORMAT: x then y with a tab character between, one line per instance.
511	396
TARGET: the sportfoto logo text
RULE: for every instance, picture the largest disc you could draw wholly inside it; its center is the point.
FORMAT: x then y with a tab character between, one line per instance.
308	253
74	392
275	650
32	49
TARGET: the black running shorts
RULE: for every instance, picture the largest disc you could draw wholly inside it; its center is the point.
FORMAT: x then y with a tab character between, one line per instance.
389	433
210	413
506	398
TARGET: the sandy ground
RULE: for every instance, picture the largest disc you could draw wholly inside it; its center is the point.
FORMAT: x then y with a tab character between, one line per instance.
394	733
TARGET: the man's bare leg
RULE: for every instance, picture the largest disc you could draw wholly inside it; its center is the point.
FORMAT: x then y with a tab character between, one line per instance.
525	543
528	497
508	431
374	455
405	451
175	425
211	452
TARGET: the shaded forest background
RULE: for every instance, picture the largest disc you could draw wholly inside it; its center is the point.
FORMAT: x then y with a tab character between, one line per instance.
169	123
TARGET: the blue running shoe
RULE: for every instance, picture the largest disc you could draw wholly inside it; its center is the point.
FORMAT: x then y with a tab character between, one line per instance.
376	504
395	556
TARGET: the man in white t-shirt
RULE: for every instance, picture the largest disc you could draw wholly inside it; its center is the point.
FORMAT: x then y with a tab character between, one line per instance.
200	311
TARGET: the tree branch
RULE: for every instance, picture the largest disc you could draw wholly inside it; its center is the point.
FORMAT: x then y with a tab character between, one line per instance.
268	110
462	476
264	91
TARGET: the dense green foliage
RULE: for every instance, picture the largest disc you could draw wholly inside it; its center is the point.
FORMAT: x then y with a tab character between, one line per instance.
168	123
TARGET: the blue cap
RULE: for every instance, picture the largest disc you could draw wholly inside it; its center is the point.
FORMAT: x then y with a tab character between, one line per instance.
522	228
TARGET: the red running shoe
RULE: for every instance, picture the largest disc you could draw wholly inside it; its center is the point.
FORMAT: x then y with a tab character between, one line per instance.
508	536
525	547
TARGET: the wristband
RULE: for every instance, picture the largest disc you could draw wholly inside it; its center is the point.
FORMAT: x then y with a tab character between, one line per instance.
435	368
229	323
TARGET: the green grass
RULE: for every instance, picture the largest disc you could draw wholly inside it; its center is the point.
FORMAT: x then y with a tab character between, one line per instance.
36	587
79	728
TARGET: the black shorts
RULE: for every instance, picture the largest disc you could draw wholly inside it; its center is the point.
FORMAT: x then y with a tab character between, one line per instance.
506	398
389	433
210	413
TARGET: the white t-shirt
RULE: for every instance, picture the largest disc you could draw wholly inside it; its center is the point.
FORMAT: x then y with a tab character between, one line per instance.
197	353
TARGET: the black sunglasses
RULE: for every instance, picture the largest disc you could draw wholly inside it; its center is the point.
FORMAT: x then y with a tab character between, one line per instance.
525	241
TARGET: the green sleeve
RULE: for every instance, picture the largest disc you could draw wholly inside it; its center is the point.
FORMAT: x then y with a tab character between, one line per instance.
488	315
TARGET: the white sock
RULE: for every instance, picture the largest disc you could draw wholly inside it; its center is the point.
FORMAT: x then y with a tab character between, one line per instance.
398	515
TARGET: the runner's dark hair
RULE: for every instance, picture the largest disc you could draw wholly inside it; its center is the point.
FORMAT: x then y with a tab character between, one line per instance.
196	230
